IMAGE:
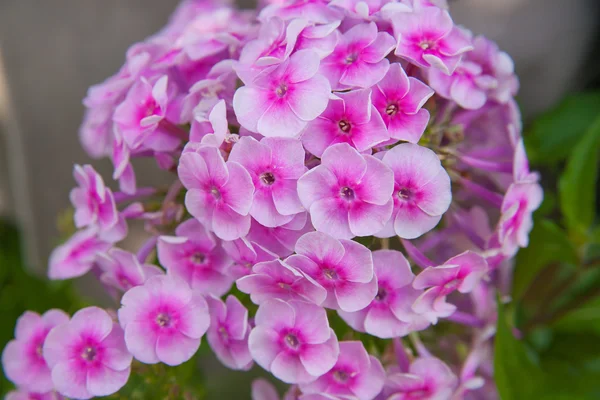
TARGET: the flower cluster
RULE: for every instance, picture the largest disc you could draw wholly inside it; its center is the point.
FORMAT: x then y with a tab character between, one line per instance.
336	164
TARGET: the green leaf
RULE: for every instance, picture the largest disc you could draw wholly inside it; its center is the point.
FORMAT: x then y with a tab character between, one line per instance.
577	185
516	375
584	319
553	135
548	243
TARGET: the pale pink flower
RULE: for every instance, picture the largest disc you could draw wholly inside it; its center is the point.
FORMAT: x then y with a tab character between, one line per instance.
275	42
244	255
520	201
281	239
163	320
349	194
122	270
77	255
389	314
275	164
462	272
356	374
467	86
23	394
421	191
428	378
87	355
123	170
317	11
264	390
321	38
278	280
22	358
350	118
281	99
219	194
212	131
228	332
293	340
400	99
359	58
343	267
427	37
196	257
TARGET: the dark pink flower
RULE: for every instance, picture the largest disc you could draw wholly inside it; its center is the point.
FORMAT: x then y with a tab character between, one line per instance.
77	255
122	270
244	255
427	379
281	239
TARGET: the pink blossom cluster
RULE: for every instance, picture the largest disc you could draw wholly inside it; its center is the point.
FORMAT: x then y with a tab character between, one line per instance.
331	160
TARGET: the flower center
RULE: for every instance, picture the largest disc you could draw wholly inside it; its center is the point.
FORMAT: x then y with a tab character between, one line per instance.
346	193
391	109
330	274
426	45
215	193
405	194
351	58
267	178
281	90
163	320
197	258
418	394
89	353
150	108
39	350
453	284
344	126
284	285
223	333
292	341
341	376
381	294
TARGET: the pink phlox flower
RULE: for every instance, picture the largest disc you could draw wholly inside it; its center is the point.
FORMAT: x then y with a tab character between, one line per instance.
164	320
122	270
283	98
349	118
228	332
22	358
219	193
145	118
343	267
275	164
87	355
521	171
23	394
520	201
390	313
321	38
244	255
281	239
77	255
399	100
359	58
356	374
219	84
317	11
212	131
293	340
279	280
349	194
369	10
421	191
196	257
123	170
427	37
264	390
428	378
460	273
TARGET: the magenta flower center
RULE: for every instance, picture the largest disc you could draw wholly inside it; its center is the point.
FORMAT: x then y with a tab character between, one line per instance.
341	376
351	58
382	294
89	353
163	320
292	341
223	333
392	109
346	193
344	126
197	258
405	194
215	193
330	274
426	45
451	285
418	394
284	286
281	90
267	178
124	281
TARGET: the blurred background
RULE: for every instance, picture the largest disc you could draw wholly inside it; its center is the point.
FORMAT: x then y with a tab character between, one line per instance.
52	51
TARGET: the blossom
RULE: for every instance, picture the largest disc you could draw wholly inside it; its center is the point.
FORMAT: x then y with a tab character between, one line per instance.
219	193
196	257
163	320
278	280
520	201
356	374
280	239
27	395
228	332
427	378
390	313
359	57
350	118
122	270
22	358
462	272
343	267
212	131
421	190
77	255
349	194
275	164
244	255
144	117
280	100
399	99
427	37
293	340
87	355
